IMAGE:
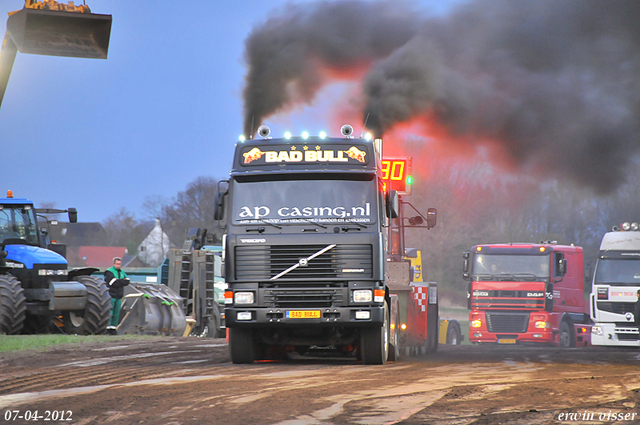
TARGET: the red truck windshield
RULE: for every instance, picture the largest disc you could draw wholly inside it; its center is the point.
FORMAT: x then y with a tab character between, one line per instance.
510	267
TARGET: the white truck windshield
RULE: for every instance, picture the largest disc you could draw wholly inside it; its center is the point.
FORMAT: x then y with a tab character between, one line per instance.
622	272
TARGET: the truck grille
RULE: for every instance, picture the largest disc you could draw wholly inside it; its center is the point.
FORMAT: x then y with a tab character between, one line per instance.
507	322
261	263
614	307
508	300
302	297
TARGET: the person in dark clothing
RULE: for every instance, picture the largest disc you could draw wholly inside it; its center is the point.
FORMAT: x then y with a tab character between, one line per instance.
116	281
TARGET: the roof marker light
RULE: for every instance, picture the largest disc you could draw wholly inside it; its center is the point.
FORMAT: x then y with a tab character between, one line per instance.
242	138
367	136
9	194
626	226
542	249
323	134
478	248
634	226
305	135
287	135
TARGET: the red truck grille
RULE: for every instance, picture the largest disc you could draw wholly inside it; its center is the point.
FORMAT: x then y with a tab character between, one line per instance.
507	322
508	300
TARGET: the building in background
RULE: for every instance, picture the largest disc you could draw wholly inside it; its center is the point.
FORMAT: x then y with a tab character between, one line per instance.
155	246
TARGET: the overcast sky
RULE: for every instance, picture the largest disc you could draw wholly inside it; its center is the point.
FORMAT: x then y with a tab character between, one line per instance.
163	109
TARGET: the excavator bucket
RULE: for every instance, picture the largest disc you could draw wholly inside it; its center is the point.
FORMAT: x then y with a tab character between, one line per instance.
151	309
57	33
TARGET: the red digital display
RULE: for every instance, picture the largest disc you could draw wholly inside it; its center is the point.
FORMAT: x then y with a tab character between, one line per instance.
396	174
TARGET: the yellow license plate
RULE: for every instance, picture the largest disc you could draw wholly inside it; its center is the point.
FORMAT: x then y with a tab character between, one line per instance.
303	314
506	341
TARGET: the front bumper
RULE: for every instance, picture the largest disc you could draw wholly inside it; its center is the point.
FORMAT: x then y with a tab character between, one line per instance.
615	336
333	316
544	337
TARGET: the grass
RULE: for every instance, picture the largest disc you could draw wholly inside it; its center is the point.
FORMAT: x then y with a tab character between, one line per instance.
10	343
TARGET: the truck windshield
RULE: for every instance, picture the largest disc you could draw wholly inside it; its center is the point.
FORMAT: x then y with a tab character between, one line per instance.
18	223
303	201
618	272
510	267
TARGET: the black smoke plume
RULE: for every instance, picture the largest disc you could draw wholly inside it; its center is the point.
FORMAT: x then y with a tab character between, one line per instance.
555	82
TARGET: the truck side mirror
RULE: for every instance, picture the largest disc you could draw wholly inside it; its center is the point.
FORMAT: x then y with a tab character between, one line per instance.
465	265
218	213
562	267
73	215
393	204
432	215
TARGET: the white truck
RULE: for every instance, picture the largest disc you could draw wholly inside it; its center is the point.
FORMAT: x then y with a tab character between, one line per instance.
615	293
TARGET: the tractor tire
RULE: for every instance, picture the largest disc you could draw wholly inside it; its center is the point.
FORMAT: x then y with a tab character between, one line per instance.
454	335
374	342
12	305
566	340
96	315
242	347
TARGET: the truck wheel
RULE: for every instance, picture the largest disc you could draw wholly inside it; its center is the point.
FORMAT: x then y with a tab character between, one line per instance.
375	342
454	336
566	338
12	305
97	313
241	345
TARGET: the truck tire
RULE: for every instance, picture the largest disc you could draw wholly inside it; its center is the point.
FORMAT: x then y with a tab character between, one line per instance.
566	340
454	335
375	341
242	346
96	315
12	305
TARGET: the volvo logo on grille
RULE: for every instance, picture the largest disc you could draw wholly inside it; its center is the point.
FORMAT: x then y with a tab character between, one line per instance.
258	240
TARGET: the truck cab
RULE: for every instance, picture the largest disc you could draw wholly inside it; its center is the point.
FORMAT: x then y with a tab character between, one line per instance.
615	293
305	247
526	293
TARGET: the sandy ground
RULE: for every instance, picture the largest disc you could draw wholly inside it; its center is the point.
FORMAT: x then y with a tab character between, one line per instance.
192	381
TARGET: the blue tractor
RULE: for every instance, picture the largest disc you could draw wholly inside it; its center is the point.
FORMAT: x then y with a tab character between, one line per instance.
35	282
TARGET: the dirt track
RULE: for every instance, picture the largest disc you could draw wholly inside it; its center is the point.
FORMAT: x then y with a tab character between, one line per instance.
190	380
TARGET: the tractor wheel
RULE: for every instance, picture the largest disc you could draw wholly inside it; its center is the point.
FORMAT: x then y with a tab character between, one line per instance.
97	313
12	305
242	347
566	338
375	341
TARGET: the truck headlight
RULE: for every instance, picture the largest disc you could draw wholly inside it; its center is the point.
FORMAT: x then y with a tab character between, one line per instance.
362	296
596	330
542	325
243	315
476	323
243	298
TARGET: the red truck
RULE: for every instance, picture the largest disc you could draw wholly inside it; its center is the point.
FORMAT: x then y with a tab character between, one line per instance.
527	293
